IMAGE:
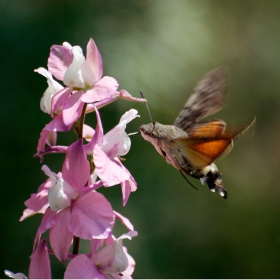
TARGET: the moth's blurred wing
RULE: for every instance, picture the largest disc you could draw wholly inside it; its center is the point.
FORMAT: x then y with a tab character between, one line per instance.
209	142
208	98
238	131
200	152
207	129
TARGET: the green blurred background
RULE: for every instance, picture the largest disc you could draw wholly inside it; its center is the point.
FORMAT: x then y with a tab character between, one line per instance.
162	47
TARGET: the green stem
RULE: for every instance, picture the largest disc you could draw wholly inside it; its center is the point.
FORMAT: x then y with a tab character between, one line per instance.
78	127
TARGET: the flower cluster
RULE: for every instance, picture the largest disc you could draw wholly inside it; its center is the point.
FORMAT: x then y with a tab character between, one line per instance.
72	207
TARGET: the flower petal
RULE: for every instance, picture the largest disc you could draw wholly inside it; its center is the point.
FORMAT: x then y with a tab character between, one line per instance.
46	137
40	267
88	132
94	59
109	170
95	244
49	219
59	99
73	76
131	265
72	109
53	87
60	236
92	217
59	60
112	258
122	94
128	186
76	170
104	88
116	142
27	213
81	267
40	199
57	124
98	135
127	96
124	220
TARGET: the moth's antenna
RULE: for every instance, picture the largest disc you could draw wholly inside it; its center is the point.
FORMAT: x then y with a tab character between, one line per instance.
188	180
146	103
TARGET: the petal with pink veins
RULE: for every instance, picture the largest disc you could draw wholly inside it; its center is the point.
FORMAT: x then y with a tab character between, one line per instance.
76	170
60	236
94	59
59	60
92	217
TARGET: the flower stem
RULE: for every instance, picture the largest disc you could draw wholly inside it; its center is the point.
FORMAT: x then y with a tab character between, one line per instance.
76	245
78	127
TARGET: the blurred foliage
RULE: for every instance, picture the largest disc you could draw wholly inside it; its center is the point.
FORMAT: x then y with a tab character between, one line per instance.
162	47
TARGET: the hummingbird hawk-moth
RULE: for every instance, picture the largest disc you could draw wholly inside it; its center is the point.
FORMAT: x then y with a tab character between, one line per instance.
192	146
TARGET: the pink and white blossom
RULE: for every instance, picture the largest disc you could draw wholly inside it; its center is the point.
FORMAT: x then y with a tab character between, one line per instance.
84	84
112	261
70	205
106	151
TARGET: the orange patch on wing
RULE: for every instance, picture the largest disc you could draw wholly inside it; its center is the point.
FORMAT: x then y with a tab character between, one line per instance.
208	129
202	152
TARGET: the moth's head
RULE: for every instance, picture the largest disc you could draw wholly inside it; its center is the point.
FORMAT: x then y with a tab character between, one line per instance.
149	131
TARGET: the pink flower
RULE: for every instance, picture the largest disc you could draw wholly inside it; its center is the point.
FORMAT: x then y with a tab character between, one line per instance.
72	212
83	79
112	261
84	84
106	151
